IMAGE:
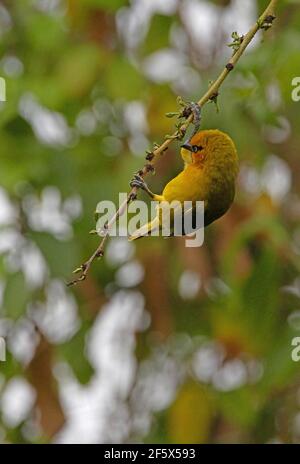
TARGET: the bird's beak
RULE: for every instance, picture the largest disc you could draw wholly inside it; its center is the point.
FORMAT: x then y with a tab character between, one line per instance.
187	146
187	153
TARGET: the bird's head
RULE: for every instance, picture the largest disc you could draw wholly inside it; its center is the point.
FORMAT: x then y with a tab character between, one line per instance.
194	150
209	148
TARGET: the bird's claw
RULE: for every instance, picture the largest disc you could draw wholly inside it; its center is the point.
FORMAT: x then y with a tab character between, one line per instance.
138	181
196	111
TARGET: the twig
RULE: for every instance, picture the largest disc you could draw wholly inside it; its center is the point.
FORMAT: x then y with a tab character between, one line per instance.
264	22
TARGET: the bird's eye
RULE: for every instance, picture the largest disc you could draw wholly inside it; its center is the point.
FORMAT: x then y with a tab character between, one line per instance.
197	148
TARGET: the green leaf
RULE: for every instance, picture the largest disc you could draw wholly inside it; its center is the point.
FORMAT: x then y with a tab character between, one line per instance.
61	257
239	406
279	368
158	34
79	69
16	296
74	353
260	292
123	80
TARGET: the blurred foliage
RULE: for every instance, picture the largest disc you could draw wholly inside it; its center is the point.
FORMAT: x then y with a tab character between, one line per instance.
88	86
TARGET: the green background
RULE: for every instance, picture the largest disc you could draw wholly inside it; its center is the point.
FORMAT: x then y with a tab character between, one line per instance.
162	343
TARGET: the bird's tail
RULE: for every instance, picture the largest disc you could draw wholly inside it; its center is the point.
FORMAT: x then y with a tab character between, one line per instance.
145	230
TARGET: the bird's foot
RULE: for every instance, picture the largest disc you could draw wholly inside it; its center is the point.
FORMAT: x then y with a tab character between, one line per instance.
138	182
194	109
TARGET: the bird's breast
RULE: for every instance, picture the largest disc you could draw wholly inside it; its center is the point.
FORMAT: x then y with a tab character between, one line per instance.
187	186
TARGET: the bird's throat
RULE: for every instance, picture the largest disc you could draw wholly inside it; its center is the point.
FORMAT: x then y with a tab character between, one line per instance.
187	156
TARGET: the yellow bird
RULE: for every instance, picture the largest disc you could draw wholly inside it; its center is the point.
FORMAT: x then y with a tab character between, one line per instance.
209	175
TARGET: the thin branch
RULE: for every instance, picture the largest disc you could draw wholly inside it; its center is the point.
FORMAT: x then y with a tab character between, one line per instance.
264	22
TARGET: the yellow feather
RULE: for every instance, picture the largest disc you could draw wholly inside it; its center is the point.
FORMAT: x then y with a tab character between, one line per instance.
209	175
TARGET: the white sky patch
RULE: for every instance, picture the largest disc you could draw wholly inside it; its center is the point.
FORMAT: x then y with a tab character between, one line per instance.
51	6
210	366
231	376
240	16
130	274
22	340
155	389
132	25
164	66
207	360
274	96
118	251
48	126
138	144
157	383
250	179
189	284
72	206
12	66
204	21
135	117
276	177
57	318
112	339
133	21
50	214
10	240
33	265
17	400
8	213
111	346
201	19
166	7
